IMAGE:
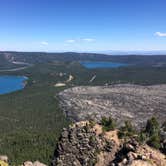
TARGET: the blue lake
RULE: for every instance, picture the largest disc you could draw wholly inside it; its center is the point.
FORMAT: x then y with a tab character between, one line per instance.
10	84
94	65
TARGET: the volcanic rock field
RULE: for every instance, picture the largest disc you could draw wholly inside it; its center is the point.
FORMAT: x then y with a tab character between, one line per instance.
123	102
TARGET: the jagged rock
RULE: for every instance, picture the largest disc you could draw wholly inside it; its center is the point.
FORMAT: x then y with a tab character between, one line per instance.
3	163
37	163
124	161
131	156
141	163
80	146
4	158
131	145
28	163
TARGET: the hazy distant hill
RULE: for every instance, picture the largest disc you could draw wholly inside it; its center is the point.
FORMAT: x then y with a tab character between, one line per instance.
5	62
40	57
138	52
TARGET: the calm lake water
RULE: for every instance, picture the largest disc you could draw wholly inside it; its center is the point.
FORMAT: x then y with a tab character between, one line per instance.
10	84
93	65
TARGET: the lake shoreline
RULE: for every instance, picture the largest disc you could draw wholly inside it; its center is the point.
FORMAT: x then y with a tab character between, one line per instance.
10	83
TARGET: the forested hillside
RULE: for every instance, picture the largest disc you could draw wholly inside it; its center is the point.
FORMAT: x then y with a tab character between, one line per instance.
42	57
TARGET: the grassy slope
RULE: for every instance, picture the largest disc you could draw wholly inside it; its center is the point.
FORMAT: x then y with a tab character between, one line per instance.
31	121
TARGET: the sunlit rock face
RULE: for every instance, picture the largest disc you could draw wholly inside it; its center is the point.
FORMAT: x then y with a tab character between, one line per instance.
30	163
84	144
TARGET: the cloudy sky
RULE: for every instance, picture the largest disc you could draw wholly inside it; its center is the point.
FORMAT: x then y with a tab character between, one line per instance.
82	25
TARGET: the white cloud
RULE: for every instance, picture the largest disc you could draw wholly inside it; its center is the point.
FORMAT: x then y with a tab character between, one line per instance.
80	40
88	39
160	34
70	41
44	43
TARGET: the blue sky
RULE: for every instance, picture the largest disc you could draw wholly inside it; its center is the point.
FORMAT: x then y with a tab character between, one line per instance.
82	25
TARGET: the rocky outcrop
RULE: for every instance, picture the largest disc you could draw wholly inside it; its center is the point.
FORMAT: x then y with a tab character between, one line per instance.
81	145
4	158
30	163
4	162
86	145
132	153
122	102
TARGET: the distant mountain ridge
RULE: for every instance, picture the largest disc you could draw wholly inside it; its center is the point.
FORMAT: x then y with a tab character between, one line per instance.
7	58
137	52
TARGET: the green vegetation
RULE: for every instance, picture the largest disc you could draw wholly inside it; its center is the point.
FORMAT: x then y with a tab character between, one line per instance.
164	126
127	131
108	123
142	137
150	135
153	133
154	141
92	123
152	127
31	120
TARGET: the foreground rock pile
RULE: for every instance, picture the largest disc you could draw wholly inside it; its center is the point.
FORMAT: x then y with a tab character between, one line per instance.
132	153
122	102
30	163
4	162
79	145
86	145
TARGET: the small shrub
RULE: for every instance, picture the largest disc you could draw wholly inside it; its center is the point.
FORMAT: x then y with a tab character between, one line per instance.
87	128
127	130
154	141
108	124
142	138
164	126
92	123
152	127
92	140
